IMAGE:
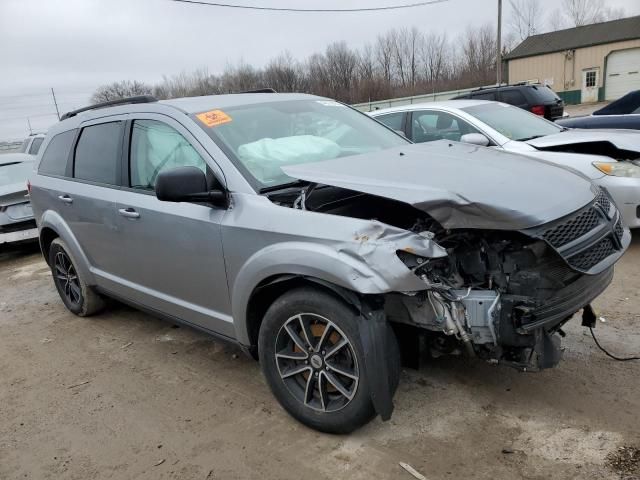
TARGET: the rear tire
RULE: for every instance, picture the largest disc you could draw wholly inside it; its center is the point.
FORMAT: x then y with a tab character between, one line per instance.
312	357
77	296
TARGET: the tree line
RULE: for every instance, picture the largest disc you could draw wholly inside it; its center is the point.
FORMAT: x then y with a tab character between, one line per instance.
400	62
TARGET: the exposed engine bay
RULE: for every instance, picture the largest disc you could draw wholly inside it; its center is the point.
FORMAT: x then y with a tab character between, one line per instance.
500	295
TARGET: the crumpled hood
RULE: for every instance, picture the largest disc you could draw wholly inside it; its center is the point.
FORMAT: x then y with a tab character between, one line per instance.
622	139
460	185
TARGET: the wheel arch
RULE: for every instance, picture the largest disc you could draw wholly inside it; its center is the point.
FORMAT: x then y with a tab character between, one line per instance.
53	226
270	289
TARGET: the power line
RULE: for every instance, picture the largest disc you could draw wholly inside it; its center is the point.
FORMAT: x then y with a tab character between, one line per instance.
313	10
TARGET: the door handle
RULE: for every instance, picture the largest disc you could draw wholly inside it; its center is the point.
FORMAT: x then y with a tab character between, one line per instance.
65	198
129	213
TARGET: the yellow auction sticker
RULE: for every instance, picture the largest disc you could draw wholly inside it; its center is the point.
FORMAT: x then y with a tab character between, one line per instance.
213	118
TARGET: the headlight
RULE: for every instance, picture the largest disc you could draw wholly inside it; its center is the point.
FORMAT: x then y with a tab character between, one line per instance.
618	169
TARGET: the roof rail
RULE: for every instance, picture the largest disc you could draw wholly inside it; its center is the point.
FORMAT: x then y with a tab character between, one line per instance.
111	103
259	90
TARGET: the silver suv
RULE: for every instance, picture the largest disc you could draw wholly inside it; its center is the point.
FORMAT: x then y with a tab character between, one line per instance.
319	240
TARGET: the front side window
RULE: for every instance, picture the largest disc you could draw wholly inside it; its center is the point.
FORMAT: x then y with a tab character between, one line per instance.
55	157
155	146
513	122
98	153
35	145
430	125
260	138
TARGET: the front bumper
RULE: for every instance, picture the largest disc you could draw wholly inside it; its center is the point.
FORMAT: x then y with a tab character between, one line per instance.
626	195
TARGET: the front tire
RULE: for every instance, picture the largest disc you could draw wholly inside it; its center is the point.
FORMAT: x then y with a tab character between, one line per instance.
312	357
77	296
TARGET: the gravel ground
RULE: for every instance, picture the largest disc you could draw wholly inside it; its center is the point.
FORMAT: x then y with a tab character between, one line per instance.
124	395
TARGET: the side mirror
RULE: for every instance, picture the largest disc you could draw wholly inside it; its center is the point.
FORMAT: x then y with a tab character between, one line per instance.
187	184
475	139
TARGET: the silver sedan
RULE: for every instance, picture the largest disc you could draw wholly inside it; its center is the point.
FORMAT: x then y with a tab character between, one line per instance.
610	158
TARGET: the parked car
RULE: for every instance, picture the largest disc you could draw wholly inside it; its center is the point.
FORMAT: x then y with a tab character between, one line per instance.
535	98
609	158
622	113
308	234
32	143
16	217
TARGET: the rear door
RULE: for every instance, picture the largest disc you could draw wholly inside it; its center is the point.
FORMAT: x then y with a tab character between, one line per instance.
170	254
87	200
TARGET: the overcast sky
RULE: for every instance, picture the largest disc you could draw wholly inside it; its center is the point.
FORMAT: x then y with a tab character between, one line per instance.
76	45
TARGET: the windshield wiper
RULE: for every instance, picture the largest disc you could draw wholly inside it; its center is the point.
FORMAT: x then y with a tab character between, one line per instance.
530	138
282	186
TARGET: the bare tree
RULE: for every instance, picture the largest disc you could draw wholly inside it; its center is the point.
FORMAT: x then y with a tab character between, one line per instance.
478	56
119	90
384	55
584	12
284	74
434	54
406	46
525	17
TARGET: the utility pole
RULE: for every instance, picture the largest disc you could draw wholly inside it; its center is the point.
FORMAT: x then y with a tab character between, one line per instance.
499	42
55	103
29	123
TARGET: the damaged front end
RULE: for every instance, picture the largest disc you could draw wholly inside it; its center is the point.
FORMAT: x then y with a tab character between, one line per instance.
506	295
501	295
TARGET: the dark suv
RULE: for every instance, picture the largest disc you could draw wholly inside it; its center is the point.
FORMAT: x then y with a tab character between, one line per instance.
538	99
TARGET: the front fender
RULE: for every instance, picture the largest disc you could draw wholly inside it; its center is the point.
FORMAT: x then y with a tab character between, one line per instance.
368	267
52	220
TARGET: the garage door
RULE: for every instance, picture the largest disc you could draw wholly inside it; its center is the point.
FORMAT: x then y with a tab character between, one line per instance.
623	73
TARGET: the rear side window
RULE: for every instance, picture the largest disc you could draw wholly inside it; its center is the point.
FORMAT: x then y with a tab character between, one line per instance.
98	153
54	159
513	97
35	145
392	120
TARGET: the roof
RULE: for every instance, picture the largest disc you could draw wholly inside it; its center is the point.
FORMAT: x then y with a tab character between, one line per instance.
447	104
578	37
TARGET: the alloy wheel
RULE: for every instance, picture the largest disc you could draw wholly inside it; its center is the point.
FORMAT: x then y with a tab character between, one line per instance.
67	278
317	362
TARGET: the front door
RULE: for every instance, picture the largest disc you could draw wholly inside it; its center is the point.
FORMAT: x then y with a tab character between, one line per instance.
171	256
590	82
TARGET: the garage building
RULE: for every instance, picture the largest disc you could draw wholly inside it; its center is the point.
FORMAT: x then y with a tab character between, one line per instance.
582	64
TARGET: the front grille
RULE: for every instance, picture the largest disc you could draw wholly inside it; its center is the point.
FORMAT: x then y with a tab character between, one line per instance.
574	228
593	255
588	237
603	200
619	231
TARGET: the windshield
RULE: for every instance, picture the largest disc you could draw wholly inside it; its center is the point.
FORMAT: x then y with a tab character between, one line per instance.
513	122
261	138
15	173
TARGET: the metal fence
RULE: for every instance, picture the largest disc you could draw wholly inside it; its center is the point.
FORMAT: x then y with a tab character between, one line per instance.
8	147
396	102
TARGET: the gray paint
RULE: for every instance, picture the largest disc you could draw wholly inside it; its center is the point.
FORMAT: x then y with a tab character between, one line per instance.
461	186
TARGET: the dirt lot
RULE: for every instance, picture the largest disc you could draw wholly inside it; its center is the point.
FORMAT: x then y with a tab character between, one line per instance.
124	395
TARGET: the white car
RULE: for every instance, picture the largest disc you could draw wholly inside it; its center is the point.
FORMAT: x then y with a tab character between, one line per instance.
610	158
